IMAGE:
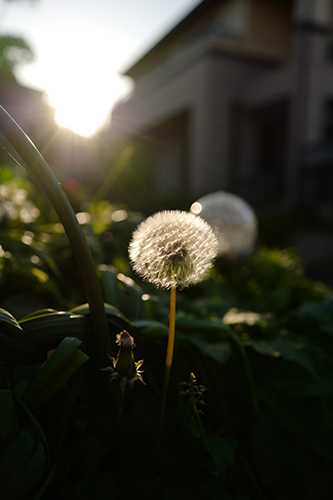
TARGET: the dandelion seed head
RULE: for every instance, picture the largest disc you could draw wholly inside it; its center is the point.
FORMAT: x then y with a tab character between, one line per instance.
173	249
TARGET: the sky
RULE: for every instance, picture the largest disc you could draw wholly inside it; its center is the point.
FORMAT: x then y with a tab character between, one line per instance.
82	47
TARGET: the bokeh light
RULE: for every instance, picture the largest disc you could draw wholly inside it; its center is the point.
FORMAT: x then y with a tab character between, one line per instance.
233	221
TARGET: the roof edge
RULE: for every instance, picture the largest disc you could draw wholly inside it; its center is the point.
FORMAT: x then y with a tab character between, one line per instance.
198	11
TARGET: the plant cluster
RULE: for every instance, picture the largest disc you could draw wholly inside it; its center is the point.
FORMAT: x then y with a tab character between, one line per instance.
259	340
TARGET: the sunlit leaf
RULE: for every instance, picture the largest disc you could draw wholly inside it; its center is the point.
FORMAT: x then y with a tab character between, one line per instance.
51	327
114	316
6	317
16	345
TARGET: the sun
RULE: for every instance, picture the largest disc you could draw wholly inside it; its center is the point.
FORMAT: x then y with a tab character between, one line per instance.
80	73
83	89
84	106
83	98
81	114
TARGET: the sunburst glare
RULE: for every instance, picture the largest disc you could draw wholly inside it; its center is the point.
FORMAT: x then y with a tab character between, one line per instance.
83	106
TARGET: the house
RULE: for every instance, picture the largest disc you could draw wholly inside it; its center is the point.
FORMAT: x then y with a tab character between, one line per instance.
238	96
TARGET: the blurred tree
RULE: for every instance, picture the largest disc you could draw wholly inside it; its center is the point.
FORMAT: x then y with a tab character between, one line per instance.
13	51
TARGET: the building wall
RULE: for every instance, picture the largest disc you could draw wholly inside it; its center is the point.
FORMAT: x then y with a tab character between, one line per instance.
257	28
319	12
243	72
205	90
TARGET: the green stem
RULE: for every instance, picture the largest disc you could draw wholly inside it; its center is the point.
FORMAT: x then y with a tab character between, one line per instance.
195	409
36	164
168	360
120	407
209	381
248	372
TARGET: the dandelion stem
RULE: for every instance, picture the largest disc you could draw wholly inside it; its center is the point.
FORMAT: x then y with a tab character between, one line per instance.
168	359
171	340
120	408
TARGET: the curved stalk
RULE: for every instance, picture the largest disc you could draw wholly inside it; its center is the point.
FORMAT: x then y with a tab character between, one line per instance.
35	164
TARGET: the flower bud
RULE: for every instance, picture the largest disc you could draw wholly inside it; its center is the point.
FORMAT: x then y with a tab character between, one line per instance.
124	368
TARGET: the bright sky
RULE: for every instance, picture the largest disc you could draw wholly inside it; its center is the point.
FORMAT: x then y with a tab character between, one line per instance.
82	46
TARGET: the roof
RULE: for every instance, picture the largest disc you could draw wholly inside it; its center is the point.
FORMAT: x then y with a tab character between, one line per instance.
200	10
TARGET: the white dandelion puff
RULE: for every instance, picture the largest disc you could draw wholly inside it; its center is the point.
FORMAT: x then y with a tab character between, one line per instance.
173	249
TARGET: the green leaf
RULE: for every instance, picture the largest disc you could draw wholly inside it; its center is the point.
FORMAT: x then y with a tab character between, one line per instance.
221	450
41	312
6	317
278	299
290	349
114	316
21	387
9	427
205	325
241	352
25	465
35	427
50	328
208	336
306	421
16	345
151	329
130	295
109	283
236	316
320	315
26	477
64	362
215	348
17	453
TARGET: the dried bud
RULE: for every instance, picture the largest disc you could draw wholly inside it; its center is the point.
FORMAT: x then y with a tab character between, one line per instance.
195	392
